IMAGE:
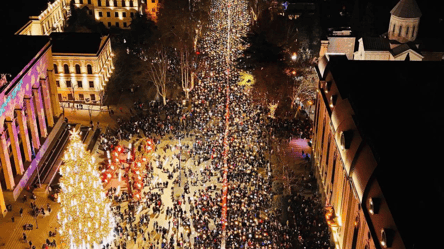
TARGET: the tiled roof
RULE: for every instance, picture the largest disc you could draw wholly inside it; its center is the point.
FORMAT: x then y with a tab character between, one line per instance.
85	43
376	44
404	47
406	9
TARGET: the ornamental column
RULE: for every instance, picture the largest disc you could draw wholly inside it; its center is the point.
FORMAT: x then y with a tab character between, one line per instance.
24	134
15	146
2	203
37	96
6	164
47	102
32	123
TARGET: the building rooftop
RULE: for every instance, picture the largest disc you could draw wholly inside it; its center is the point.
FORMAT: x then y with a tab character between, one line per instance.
406	9
376	44
398	112
17	51
69	42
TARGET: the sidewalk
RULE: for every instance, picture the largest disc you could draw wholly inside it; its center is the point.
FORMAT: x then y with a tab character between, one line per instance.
11	232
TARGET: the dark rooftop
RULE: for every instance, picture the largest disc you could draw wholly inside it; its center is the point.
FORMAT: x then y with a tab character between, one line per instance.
69	42
398	112
17	51
406	9
404	47
376	44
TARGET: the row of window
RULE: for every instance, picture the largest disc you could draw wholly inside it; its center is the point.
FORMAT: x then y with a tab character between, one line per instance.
116	14
406	30
79	84
81	97
107	3
125	25
77	67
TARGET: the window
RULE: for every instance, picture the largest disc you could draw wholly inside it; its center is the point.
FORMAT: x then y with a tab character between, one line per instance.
60	97
131	3
77	69
123	14
80	84
81	1
124	25
56	70
89	1
132	14
153	1
400	30
89	69
123	3
93	97
66	68
107	3
407	31
68	83
413	31
81	97
116	14
108	14
153	10
346	138
70	96
394	28
91	84
57	83
100	14
99	3
117	24
109	24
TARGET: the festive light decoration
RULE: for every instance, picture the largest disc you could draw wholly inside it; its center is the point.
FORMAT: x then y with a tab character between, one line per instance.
85	218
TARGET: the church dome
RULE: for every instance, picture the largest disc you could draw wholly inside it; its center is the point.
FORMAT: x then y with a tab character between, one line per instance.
406	9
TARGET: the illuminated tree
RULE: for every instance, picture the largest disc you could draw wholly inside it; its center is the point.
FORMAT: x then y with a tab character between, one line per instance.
85	218
157	69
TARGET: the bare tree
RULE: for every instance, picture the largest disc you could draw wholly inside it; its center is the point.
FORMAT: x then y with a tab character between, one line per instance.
186	74
157	70
72	89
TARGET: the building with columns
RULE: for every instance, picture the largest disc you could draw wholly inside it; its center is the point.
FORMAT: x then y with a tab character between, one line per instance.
52	18
81	72
29	111
376	152
399	43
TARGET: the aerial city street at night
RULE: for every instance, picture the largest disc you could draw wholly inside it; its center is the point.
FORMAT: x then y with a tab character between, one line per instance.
306	124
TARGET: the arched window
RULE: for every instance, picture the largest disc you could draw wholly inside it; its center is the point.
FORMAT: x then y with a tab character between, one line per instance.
131	3
107	3
400	30
56	70
89	68
123	3
394	28
77	69
413	31
407	31
66	68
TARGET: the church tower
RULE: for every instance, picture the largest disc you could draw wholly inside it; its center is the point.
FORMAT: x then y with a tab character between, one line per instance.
404	21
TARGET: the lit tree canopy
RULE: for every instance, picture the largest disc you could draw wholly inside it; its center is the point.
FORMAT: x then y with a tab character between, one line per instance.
85	215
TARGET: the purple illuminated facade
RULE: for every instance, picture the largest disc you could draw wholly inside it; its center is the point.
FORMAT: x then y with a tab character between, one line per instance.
29	113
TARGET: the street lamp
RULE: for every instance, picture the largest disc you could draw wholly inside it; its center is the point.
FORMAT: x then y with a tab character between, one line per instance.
294	56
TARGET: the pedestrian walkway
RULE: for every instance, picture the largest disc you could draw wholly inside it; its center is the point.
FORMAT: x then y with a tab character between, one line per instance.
11	233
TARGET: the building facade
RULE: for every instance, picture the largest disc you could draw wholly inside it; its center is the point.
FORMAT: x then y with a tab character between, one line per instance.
81	76
378	192
29	113
113	13
52	19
